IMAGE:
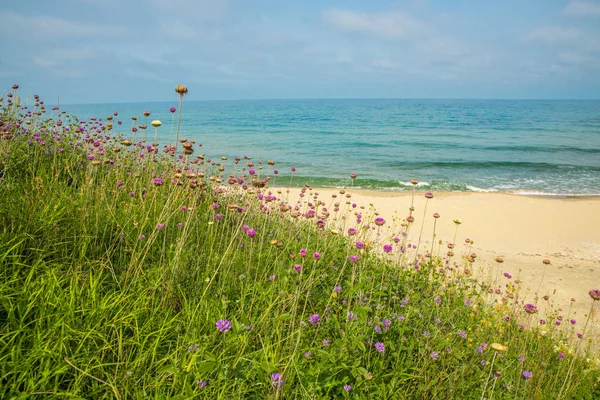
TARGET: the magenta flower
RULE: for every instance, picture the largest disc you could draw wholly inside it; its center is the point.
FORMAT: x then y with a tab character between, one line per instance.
530	308
303	253
157	182
314	319
223	325
347	388
251	232
298	267
172	109
387	248
359	245
353	258
594	294
351	231
380	347
379	221
218	217
160	226
527	375
293	169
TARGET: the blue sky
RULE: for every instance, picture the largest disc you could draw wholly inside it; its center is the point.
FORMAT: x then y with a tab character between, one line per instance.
133	50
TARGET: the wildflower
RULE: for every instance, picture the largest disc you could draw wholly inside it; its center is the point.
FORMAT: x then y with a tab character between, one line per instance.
595	294
386	323
298	267
429	195
352	231
387	248
347	388
377	328
272	277
157	182
530	308
401	318
156	123
316	256
337	288
308	355
462	333
142	236
303	253
521	358
572	321
457	221
359	245
201	383
223	325
379	221
437	299
276	380
380	347
483	362
467	303
181	89
561	355
434	355
325	342
499	347
314	319
353	258
160	226
251	232
426	333
527	375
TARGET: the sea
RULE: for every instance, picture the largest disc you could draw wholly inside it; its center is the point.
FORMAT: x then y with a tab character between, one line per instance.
529	147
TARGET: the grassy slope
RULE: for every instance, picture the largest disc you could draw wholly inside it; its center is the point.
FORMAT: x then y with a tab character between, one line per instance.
97	300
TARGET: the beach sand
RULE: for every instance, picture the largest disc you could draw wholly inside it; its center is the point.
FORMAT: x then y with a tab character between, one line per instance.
523	230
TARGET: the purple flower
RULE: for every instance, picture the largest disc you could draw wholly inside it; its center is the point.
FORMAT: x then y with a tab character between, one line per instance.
251	232
527	375
337	288
353	258
314	319
172	109
293	169
201	383
377	328
468	303
298	267
530	308
462	333
434	355
325	342
160	226
483	362
380	347
316	255
218	217
360	245
387	248
157	181
276	380
437	299
347	388
272	277
379	221
223	325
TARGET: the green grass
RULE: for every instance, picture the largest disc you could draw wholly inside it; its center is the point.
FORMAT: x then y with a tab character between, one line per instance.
97	300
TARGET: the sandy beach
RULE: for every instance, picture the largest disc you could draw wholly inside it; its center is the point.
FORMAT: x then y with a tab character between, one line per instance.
522	230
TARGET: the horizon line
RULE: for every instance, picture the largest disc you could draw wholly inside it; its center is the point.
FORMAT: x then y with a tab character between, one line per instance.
341	98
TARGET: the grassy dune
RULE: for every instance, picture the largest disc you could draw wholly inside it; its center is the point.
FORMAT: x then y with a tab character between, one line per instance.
131	270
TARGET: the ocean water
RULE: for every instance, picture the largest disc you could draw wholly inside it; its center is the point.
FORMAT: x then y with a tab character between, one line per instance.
521	146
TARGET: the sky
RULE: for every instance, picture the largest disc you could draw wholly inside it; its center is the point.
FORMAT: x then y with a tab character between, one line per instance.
111	51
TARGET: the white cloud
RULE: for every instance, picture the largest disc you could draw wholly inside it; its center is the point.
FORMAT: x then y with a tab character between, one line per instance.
393	25
55	26
583	9
554	34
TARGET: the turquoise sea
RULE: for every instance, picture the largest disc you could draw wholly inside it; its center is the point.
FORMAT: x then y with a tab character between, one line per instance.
546	147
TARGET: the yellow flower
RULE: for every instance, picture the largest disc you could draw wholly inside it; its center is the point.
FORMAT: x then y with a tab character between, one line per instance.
156	123
499	347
